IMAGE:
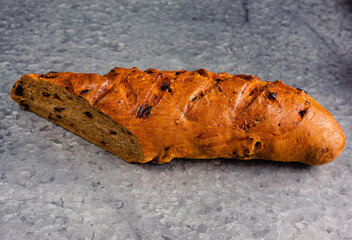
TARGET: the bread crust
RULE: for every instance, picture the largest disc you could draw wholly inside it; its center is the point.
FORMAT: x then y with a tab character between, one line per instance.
201	114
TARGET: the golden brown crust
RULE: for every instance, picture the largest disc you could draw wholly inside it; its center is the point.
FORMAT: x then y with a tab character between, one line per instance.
200	114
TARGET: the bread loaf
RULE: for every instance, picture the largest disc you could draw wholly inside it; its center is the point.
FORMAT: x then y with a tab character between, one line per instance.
153	115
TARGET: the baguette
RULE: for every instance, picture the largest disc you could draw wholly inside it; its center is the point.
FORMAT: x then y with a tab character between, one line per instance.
152	115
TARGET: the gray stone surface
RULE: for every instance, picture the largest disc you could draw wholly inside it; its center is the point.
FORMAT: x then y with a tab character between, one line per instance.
55	185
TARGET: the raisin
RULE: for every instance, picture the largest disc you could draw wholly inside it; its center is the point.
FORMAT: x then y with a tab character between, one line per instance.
252	92
58	109
19	90
166	86
143	111
83	92
51	74
302	113
202	72
302	90
57	97
88	114
235	154
248	78
273	96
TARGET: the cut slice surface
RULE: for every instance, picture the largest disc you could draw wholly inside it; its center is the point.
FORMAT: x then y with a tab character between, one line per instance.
76	114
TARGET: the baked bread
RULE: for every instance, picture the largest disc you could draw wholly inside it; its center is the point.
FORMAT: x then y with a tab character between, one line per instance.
153	115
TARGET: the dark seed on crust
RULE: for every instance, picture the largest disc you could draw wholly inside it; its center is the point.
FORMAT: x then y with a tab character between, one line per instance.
88	114
273	96
59	116
150	72
102	142
71	124
218	80
279	124
178	73
113	132
257	144
19	90
83	92
45	94
195	98
143	111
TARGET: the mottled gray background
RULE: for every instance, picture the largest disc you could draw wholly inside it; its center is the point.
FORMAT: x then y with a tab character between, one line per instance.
55	185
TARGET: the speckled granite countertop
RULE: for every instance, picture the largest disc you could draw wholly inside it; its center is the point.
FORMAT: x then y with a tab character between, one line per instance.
55	185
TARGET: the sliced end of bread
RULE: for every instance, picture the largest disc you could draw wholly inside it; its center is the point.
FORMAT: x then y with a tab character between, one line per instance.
76	114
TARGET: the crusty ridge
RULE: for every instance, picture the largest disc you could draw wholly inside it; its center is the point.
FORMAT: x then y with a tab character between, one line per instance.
200	114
